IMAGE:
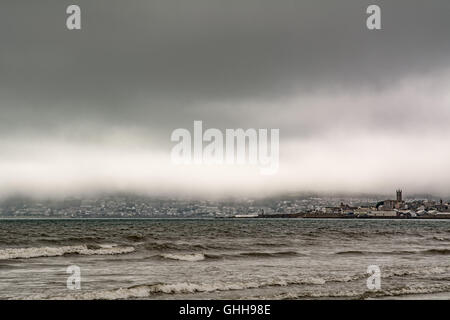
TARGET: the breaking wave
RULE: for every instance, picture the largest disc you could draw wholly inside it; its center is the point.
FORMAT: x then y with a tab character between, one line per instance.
184	257
404	291
316	291
189	246
417	272
145	291
352	294
26	253
204	256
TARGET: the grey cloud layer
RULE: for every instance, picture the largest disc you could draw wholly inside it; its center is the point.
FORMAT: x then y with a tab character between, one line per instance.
147	67
175	54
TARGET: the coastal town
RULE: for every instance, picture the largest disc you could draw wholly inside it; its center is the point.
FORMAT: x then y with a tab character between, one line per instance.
397	208
293	206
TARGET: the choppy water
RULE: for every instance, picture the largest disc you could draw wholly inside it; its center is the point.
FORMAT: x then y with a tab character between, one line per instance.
224	258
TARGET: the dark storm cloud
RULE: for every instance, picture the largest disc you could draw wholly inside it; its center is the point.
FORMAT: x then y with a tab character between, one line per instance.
94	109
157	60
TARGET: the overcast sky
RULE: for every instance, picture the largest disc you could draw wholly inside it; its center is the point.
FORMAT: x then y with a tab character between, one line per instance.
93	110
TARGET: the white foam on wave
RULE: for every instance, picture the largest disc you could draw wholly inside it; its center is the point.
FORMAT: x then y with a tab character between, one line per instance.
419	271
184	257
413	290
26	253
145	291
407	291
305	294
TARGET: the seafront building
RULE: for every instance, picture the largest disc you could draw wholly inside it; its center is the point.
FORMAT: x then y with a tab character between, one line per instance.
392	208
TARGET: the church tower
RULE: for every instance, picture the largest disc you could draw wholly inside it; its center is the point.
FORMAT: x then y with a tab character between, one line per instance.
399	195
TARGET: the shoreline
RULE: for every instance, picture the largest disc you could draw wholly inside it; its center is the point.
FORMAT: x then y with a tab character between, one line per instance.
295	216
274	217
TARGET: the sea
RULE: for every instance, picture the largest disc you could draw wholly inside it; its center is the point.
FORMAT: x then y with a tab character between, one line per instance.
224	259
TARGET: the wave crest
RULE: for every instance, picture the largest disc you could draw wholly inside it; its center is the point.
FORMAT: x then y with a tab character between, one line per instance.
145	291
27	253
184	257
